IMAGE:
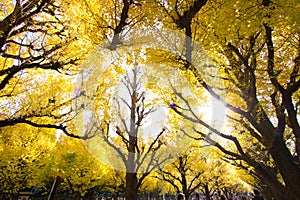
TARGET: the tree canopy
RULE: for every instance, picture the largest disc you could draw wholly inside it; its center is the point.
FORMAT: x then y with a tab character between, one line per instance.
62	63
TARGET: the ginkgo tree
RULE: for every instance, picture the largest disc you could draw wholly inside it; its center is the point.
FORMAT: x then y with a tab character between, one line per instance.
184	173
77	169
24	153
253	45
256	50
206	173
120	139
34	42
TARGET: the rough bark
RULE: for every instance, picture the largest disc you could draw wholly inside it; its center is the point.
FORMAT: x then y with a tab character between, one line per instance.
131	192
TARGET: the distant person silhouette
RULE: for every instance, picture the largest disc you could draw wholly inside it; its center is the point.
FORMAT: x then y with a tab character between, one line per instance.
180	196
257	195
196	196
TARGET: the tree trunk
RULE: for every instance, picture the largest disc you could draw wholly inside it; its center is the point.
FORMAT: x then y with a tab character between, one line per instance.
184	187
207	193
289	171
130	189
268	194
54	187
90	195
268	177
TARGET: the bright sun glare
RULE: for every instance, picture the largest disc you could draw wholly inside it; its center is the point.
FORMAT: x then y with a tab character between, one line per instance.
213	113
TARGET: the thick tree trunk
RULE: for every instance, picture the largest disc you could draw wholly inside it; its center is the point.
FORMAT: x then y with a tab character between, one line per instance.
131	183
184	187
268	194
287	168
